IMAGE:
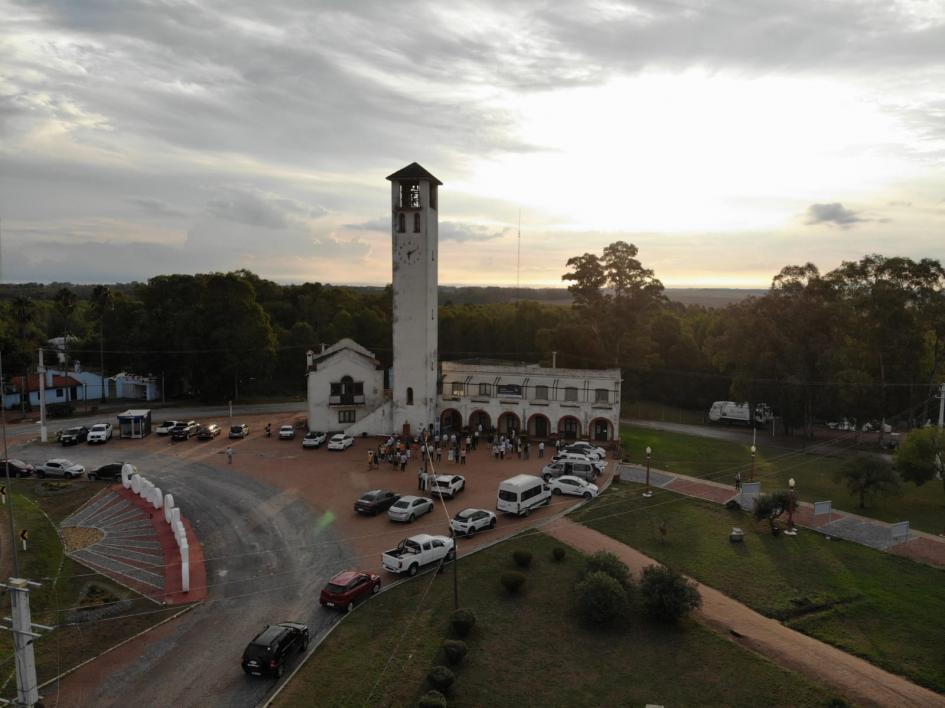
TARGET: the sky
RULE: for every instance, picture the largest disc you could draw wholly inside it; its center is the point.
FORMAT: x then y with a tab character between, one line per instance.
725	139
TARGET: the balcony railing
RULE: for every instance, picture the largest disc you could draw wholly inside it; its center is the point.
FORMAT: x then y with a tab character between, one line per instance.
346	400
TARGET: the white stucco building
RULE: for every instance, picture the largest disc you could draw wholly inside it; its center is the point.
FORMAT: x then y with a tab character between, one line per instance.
346	386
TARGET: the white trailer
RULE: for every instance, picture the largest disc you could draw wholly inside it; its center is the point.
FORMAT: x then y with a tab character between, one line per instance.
732	412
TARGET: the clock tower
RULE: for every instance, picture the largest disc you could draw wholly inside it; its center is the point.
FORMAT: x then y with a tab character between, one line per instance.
414	246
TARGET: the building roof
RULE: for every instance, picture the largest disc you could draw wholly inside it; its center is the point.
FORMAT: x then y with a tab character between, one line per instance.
350	345
28	383
135	413
413	171
491	368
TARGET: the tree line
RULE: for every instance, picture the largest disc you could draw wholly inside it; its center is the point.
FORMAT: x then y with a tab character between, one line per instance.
865	340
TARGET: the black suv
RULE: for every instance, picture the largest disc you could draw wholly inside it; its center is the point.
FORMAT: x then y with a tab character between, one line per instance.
72	436
183	431
109	471
375	501
270	650
18	468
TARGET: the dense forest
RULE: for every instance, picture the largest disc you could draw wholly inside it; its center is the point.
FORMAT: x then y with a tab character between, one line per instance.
865	340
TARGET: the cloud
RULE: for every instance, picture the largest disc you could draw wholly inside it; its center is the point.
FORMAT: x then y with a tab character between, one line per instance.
459	231
381	223
258	209
156	207
834	214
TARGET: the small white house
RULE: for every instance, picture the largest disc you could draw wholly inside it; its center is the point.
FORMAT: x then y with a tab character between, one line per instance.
345	385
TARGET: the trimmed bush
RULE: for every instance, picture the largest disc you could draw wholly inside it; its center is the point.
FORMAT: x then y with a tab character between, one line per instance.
522	558
463	621
608	563
667	595
455	651
557	553
441	678
512	581
601	599
432	699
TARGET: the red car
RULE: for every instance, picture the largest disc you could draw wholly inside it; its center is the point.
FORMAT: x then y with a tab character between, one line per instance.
349	587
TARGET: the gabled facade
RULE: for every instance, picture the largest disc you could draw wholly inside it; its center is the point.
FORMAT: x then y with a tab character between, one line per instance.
345	385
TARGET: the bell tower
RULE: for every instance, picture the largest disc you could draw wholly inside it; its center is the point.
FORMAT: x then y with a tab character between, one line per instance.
414	249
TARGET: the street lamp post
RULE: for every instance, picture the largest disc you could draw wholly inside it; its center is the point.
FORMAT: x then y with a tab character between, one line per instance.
792	505
648	493
753	451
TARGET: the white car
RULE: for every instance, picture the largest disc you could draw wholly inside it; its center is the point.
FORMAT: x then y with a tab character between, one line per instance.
448	485
600	465
409	508
414	552
469	521
587	449
99	433
166	427
286	432
340	442
314	439
60	467
567	484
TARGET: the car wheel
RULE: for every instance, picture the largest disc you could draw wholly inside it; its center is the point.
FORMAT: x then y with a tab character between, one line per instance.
91	477
527	512
587	495
412	518
41	474
280	670
556	491
350	606
492	523
412	570
470	532
376	589
67	475
451	555
304	644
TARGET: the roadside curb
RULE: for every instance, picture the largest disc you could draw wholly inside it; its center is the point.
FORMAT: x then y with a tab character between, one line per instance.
120	644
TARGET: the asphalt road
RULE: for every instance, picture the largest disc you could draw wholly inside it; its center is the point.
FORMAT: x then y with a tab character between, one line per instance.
267	558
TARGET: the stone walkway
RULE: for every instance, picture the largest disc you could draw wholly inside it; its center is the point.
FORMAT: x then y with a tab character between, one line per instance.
919	546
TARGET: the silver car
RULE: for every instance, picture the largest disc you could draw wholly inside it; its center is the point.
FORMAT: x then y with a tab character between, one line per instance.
409	508
60	467
585	469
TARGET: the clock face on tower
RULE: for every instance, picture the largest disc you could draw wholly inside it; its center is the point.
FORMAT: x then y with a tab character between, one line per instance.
407	252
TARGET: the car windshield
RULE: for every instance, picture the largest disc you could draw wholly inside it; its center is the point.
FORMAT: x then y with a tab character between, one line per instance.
286	427
337	438
168	423
334	587
400	505
74	430
370	496
465	514
236	428
506	495
99	426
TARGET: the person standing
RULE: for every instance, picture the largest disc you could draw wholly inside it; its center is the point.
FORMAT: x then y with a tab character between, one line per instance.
403	461
421	480
449	454
229	458
541	448
476	440
370	460
462	456
525	449
738	481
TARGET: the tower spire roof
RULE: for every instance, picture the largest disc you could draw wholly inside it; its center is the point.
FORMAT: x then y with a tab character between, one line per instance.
413	171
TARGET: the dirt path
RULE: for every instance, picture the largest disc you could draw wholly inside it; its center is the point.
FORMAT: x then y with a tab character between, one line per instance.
857	679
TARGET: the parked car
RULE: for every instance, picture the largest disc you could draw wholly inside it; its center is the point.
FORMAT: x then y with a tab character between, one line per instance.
269	650
239	431
208	432
448	485
18	468
99	433
185	430
167	427
469	521
409	507
110	471
340	442
349	587
314	438
375	501
520	494
584	469
576	486
71	436
584	448
417	551
286	432
60	467
599	465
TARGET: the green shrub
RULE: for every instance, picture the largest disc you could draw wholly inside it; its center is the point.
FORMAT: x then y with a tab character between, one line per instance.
512	581
463	621
601	599
432	699
557	553
441	678
667	595
608	563
455	650
522	558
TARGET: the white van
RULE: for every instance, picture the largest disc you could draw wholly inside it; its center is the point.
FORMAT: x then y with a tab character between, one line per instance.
521	493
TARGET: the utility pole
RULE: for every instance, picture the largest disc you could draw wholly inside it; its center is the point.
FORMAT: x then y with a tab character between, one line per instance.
21	626
42	398
941	407
6	465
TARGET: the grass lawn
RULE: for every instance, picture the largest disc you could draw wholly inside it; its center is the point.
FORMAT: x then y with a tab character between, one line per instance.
649	410
530	650
884	608
66	585
923	507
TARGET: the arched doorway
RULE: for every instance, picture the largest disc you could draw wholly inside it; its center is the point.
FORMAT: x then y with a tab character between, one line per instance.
569	428
450	421
508	422
480	418
602	430
539	426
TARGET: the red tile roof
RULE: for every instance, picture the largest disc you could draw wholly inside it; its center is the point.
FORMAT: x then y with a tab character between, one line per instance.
32	382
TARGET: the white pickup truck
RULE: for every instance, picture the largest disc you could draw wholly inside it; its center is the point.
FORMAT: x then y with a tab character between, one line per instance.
99	433
414	552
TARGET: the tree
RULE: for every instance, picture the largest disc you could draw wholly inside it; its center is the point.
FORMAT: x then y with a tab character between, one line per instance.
609	564
588	278
768	507
868	476
101	301
921	456
601	599
667	595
